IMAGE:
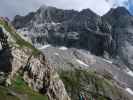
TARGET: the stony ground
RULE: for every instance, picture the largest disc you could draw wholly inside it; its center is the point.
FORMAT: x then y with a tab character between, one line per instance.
68	59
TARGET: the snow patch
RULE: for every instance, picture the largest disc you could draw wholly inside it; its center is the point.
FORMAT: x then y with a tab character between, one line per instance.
24	34
129	72
108	61
0	47
129	91
44	47
63	48
115	77
82	63
57	54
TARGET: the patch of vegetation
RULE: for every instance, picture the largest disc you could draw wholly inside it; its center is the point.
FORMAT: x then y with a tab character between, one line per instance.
89	83
19	91
20	87
21	42
4	94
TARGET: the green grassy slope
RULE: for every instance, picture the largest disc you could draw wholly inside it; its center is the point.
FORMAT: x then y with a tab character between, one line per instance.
19	41
89	83
19	91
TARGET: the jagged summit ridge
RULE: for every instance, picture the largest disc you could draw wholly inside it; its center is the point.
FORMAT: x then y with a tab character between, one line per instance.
121	11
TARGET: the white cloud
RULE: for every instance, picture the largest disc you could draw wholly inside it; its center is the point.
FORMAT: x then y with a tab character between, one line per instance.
98	7
13	7
116	3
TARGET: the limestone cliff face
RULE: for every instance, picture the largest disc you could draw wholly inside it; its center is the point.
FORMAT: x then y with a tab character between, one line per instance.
39	74
42	77
33	65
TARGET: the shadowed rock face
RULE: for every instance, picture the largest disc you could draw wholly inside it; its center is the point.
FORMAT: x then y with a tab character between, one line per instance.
5	54
85	29
66	27
122	33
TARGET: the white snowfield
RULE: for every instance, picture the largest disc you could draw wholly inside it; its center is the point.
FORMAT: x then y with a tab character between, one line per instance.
82	63
108	61
63	48
0	47
129	72
44	47
57	54
129	91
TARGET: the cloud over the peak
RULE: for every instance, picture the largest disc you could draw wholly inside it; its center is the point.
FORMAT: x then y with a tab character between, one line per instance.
13	7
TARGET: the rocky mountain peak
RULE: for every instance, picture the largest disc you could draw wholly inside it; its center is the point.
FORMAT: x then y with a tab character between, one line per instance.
59	26
119	17
119	11
88	12
43	7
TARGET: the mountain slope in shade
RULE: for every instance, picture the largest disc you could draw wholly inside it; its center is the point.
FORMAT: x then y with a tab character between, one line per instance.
122	23
65	27
70	28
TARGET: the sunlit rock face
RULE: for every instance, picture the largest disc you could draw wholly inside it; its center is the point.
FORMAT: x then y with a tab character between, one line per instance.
16	57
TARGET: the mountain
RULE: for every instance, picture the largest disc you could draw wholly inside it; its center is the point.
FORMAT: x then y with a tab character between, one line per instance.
49	26
77	53
80	29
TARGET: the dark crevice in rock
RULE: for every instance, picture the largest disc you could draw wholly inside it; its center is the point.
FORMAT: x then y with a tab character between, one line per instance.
5	54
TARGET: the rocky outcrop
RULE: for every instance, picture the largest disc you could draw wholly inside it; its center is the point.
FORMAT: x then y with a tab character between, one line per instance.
32	64
43	78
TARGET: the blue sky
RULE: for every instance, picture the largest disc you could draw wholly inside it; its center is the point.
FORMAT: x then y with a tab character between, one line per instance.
22	7
131	6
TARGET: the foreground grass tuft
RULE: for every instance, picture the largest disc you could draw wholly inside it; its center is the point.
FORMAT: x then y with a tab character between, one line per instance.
19	91
20	87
